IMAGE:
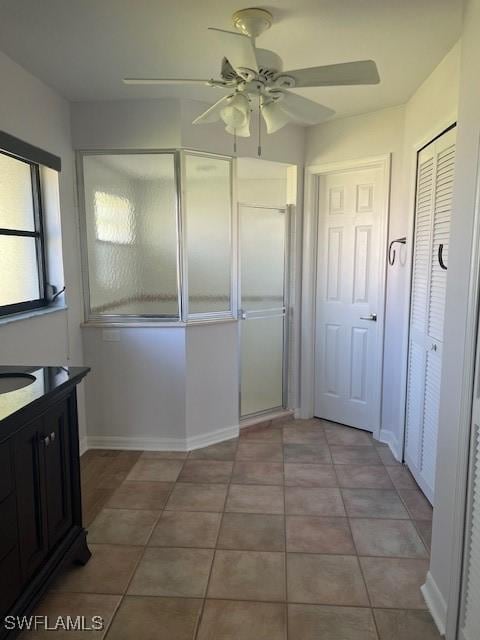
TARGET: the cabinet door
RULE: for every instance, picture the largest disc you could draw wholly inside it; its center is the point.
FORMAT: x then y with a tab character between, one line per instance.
58	483
31	500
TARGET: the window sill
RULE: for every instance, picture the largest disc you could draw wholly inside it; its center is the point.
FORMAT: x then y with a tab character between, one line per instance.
26	315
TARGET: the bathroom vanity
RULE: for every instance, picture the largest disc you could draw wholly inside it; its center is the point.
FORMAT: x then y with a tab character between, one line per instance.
40	499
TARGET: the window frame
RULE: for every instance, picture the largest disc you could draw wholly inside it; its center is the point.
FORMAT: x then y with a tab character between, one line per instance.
38	234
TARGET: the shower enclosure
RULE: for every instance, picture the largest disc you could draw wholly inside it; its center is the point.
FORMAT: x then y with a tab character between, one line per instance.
166	243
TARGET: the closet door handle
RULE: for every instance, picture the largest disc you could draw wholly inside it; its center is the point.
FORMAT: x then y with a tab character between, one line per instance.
372	317
440	257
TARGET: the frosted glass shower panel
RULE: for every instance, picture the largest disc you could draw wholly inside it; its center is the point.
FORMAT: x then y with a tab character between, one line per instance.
208	211
262	364
131	220
262	257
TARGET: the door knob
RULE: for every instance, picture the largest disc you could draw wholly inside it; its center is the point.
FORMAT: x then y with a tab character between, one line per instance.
372	317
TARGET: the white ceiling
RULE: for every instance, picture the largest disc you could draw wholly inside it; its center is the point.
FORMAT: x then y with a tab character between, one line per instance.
83	48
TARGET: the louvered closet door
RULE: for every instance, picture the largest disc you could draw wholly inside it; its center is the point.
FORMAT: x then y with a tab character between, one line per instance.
429	279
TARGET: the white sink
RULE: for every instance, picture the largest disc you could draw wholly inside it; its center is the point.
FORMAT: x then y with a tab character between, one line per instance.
13	381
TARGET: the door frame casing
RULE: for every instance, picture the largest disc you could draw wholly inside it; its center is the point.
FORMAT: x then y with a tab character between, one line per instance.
309	273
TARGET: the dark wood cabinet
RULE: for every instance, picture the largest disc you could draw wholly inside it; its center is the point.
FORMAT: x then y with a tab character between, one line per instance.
40	504
57	457
31	499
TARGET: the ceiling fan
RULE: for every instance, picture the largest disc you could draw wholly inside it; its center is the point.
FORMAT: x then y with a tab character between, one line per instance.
252	75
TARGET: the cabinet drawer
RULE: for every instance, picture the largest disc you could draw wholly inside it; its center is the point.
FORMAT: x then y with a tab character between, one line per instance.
8	527
6	478
10	582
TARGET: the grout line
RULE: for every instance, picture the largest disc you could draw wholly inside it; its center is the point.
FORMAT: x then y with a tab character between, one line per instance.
285	558
140	558
225	598
207	586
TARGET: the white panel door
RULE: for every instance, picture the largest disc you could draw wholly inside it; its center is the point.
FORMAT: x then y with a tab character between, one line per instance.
435	171
349	317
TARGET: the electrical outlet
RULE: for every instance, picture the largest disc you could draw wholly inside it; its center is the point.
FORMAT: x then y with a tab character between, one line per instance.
111	335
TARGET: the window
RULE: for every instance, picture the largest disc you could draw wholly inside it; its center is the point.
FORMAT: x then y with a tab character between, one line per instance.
113	218
22	251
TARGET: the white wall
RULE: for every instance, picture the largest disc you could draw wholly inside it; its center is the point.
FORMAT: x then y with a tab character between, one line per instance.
33	112
212	384
393	131
136	389
459	321
126	124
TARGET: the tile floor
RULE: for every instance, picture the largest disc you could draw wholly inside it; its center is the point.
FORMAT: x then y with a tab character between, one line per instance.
303	531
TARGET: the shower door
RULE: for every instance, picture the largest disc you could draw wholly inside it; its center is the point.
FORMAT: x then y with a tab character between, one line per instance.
263	302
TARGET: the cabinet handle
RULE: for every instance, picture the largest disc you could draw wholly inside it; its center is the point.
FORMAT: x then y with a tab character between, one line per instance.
440	257
53	436
46	440
434	347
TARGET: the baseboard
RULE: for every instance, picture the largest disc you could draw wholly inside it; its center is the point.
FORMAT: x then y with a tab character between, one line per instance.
206	439
161	444
388	437
261	418
435	603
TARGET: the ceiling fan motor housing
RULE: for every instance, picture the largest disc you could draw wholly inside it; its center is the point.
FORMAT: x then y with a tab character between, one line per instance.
252	22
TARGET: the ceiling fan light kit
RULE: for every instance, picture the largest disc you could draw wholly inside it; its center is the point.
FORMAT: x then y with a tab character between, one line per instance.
252	75
236	112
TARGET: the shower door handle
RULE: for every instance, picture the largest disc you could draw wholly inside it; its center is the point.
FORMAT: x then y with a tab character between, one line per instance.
372	317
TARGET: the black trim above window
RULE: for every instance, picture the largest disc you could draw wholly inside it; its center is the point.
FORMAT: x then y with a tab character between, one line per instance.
25	151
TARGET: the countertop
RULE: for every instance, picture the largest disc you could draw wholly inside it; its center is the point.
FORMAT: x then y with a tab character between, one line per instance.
48	380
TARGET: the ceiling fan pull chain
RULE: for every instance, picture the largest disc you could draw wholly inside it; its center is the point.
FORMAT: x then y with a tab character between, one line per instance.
259	150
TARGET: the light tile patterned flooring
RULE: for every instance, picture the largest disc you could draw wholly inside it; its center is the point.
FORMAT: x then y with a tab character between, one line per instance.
303	531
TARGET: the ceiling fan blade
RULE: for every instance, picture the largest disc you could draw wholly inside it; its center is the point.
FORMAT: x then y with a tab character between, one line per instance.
302	109
275	118
212	114
239	49
345	73
163	81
